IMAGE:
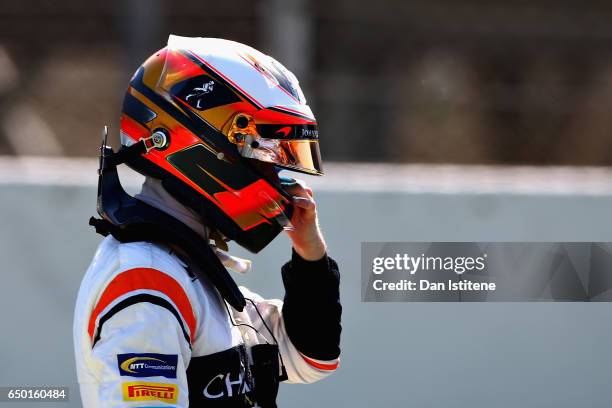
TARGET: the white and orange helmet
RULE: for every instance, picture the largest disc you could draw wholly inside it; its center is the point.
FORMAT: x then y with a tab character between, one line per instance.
222	118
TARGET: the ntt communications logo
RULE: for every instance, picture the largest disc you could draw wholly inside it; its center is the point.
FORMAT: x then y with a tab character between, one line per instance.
147	365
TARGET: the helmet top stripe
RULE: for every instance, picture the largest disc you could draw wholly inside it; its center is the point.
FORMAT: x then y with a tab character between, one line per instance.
212	71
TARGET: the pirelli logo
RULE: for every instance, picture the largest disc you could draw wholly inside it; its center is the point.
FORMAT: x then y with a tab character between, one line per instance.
146	391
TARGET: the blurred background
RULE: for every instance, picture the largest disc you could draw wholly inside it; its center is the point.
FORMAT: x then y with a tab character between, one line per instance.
441	121
473	81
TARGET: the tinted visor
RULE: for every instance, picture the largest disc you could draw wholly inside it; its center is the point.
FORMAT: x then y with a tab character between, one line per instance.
291	147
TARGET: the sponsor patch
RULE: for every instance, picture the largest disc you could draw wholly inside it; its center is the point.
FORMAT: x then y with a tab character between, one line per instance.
147	391
147	365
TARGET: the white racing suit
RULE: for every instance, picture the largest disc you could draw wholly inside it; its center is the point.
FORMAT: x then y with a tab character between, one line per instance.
147	333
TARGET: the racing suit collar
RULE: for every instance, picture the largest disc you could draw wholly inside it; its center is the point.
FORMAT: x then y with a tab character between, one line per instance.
154	194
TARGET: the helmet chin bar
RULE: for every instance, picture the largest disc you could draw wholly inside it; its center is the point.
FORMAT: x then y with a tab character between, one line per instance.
282	217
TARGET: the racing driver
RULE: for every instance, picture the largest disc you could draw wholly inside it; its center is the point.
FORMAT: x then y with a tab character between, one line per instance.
159	321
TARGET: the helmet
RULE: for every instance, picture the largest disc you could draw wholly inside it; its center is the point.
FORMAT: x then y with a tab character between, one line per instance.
220	120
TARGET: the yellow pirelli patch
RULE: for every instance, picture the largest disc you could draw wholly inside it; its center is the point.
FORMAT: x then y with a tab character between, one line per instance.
147	391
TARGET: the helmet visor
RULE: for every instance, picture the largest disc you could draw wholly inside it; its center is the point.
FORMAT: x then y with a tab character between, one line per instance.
293	147
299	155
